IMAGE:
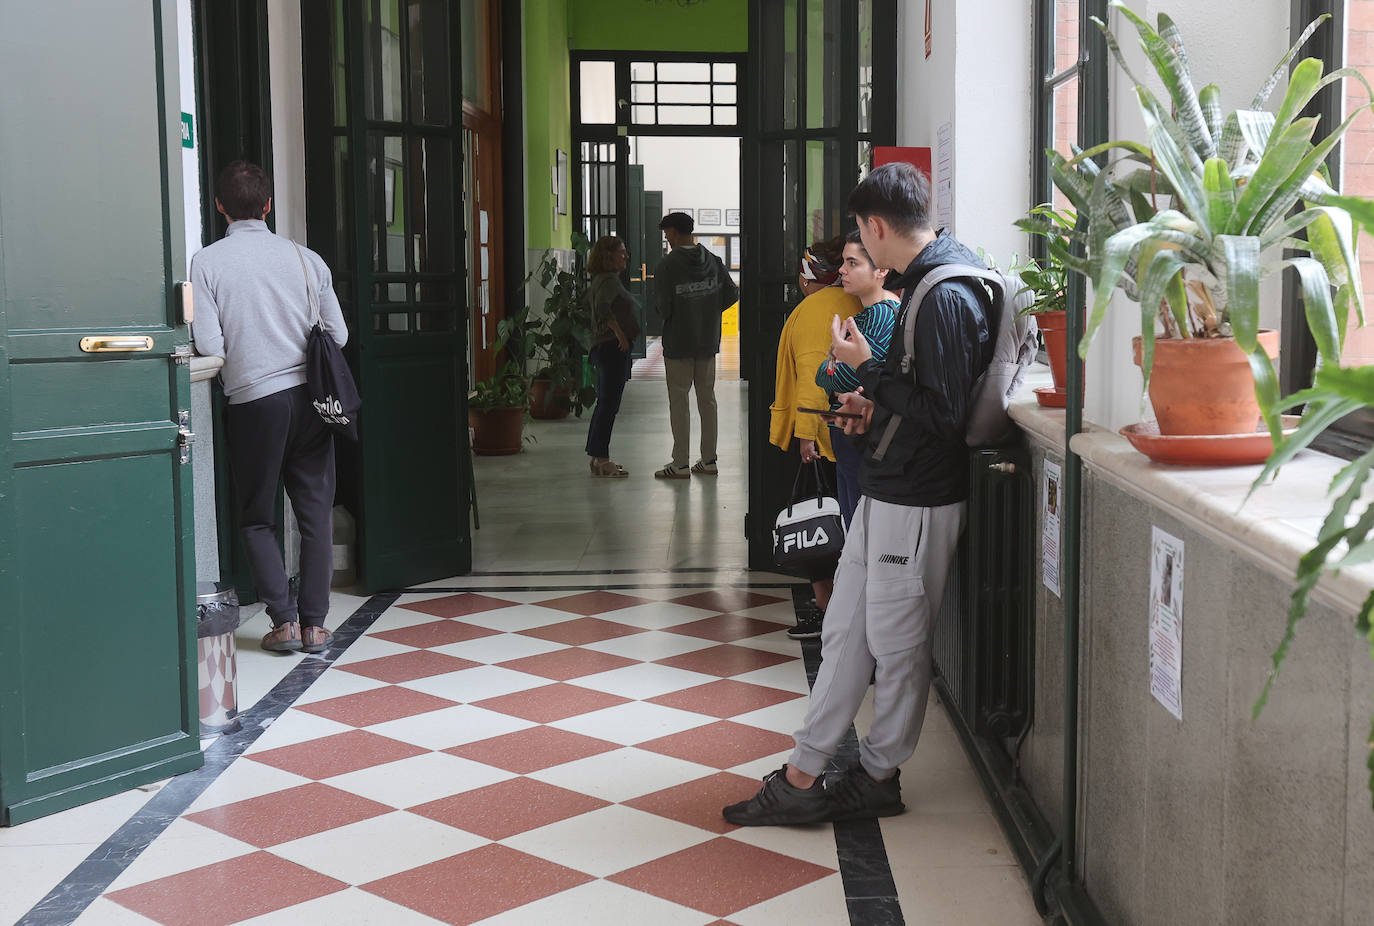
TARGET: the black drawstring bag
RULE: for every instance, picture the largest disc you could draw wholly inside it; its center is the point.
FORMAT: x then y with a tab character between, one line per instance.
332	389
810	528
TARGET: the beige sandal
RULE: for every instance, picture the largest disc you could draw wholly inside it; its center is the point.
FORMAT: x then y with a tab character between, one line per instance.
608	468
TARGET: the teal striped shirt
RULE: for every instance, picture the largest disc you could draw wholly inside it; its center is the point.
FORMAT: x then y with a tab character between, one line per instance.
875	323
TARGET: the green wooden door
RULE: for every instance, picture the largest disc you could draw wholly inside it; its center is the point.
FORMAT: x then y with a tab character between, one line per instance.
404	113
97	637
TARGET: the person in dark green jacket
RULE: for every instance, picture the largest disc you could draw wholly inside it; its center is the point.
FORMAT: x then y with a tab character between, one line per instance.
693	288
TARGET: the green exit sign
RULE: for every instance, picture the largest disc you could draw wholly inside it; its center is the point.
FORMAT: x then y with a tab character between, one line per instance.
188	133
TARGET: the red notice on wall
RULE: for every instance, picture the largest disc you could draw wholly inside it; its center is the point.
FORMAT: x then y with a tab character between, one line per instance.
887	154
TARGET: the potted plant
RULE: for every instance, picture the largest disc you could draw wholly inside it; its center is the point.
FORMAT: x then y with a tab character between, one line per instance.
1188	225
1047	279
558	339
497	408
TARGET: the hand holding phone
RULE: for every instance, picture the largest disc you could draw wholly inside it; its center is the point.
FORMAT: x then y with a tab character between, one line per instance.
827	413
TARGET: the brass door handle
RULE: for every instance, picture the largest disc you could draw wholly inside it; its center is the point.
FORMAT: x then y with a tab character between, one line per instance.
104	345
643	274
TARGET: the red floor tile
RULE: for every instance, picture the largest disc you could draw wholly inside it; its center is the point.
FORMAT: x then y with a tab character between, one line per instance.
406	667
472	886
725	660
588	603
530	750
550	703
564	664
727	599
724	628
502	810
583	630
721	877
376	706
698	803
435	633
337	755
721	745
282	816
226	892
458	605
725	698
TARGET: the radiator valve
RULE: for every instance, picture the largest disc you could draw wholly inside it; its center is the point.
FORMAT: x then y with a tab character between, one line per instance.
1007	467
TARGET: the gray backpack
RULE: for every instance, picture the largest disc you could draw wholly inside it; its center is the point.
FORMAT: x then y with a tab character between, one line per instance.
988	423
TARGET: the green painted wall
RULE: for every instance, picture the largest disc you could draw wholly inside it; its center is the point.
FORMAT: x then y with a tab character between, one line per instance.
645	25
548	121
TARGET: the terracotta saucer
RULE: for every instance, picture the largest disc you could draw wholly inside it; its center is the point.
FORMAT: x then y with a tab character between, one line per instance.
1050	397
1204	449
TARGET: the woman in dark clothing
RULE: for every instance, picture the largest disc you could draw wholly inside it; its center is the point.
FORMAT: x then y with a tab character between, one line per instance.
616	331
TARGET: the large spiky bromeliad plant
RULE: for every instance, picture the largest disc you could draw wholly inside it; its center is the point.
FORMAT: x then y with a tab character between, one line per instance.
1188	224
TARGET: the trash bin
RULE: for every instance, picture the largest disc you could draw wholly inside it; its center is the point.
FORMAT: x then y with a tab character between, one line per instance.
217	617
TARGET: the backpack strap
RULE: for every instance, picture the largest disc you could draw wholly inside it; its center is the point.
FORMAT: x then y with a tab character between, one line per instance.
310	293
931	280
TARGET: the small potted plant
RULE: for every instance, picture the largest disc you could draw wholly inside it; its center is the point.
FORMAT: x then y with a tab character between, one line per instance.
1047	279
497	408
558	339
1188	224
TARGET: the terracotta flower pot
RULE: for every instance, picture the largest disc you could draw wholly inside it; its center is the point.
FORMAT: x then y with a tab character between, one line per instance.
543	406
496	432
1204	385
1053	326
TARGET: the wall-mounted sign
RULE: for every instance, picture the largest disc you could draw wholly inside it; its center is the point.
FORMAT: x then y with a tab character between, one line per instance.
1166	621
1051	495
708	217
732	217
188	132
690	213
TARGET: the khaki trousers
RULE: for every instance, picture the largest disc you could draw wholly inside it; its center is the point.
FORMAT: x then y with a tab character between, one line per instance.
685	374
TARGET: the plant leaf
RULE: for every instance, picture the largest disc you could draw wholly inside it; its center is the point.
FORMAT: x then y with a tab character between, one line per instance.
1171	64
1221	194
1316	300
1281	68
1179	163
1241	255
1162	268
1276	166
1209	98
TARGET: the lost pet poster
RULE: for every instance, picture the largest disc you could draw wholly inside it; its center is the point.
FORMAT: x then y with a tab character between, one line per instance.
1051	491
1166	621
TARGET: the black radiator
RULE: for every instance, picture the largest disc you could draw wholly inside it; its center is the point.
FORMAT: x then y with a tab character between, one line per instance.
984	633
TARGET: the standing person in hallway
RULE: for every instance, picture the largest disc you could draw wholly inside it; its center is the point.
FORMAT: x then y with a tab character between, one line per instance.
693	289
862	279
802	347
613	315
253	309
911	511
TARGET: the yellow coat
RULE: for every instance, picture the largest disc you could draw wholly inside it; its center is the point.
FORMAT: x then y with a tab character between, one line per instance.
801	351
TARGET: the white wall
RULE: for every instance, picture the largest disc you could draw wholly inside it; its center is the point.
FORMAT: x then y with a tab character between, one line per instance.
694	173
288	117
190	157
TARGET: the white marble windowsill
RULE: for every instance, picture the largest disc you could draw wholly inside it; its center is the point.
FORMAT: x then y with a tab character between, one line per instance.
1274	528
203	368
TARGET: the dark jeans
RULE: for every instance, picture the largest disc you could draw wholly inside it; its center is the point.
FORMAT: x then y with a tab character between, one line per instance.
280	438
612	371
847	458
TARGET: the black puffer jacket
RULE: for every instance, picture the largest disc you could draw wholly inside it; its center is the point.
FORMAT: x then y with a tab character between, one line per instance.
927	463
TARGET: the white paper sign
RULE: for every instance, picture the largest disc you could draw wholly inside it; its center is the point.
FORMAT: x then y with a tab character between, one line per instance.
1051	498
1166	621
944	177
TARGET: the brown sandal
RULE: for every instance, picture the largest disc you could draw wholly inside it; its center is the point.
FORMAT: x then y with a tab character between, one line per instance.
608	468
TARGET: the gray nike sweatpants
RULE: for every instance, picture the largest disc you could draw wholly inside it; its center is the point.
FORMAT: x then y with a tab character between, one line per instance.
888	589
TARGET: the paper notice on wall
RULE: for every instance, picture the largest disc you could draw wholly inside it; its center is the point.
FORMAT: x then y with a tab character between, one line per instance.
944	177
1051	495
1166	621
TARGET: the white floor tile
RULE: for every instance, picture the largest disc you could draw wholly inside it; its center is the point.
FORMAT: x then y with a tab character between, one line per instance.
599	903
31	871
635	722
786	717
181	847
814	844
757	768
622	774
91	823
344	908
295	726
500	647
581	842
658	615
644	681
243	780
939	840
476	684
336	685
398	618
521	617
378	847
959	896
370	647
818	902
651	645
419	779
108	913
787	676
452	726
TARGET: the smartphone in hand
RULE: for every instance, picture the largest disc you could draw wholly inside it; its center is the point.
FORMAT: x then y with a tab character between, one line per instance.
827	413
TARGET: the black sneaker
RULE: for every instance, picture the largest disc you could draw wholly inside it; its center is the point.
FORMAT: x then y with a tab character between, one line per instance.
780	803
808	625
854	795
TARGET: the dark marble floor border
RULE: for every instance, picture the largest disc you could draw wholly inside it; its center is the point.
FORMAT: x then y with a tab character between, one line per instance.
870	892
92	877
717	570
597	586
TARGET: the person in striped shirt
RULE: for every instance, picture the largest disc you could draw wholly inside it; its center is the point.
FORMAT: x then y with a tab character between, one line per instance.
862	279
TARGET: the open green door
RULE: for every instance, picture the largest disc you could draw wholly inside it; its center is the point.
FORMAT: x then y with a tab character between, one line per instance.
97	636
383	153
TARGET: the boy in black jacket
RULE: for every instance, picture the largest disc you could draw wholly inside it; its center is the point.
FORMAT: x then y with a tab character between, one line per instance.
693	288
902	540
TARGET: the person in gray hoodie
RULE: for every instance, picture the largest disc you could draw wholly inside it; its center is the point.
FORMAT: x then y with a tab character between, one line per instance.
693	289
253	309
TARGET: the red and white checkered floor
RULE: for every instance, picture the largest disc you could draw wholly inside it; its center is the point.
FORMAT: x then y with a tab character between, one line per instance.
510	758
